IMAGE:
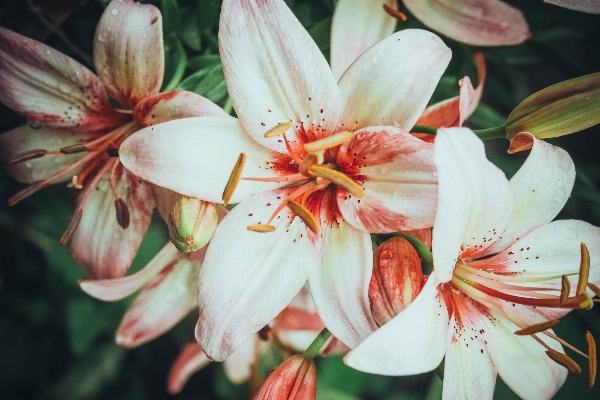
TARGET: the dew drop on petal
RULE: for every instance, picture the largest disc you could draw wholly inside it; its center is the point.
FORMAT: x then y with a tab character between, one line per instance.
101	37
64	88
114	11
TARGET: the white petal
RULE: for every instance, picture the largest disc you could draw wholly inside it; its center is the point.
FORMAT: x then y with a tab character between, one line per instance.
413	342
195	157
541	187
475	199
274	70
356	26
190	360
391	83
587	6
238	365
129	52
340	284
249	277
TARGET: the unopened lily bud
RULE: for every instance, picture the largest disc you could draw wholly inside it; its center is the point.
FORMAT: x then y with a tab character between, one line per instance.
192	222
295	379
558	110
397	279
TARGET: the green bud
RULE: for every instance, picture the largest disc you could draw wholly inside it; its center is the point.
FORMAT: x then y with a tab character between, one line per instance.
558	110
191	221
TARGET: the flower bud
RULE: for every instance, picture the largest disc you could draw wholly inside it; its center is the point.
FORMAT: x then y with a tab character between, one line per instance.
397	279
295	379
558	110
192	222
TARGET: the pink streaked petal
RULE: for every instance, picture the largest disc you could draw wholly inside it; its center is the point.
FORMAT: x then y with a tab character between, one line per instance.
163	302
51	89
191	360
195	157
263	271
176	104
541	187
294	319
523	364
356	26
119	288
303	301
26	138
334	347
471	362
391	83
274	70
587	6
129	52
238	366
340	284
100	245
454	111
475	199
475	22
398	176
411	343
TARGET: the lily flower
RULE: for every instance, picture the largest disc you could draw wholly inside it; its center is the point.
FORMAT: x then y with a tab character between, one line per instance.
342	166
500	266
74	133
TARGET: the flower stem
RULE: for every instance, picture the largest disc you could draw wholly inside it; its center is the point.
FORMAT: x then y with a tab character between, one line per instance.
424	129
316	345
228	107
497	132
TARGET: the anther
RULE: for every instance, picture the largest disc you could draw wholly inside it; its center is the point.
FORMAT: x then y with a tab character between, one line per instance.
305	215
592	358
26	156
536	328
112	152
338	178
261	228
234	178
594	288
328	142
278	130
122	213
564	360
584	270
564	291
73	224
77	148
28	191
395	13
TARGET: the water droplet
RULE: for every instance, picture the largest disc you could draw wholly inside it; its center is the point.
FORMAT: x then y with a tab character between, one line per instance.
375	59
114	11
48	51
384	170
560	195
64	88
101	37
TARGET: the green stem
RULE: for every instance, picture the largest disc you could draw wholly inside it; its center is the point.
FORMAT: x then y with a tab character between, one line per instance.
497	132
316	345
228	107
419	246
424	129
180	70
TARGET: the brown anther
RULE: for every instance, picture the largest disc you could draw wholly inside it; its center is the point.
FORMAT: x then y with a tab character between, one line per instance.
278	130
564	360
305	215
73	224
338	178
584	270
536	328
26	156
594	288
122	213
328	142
308	162
264	333
28	191
112	152
77	148
234	178
261	228
395	13
592	358
564	291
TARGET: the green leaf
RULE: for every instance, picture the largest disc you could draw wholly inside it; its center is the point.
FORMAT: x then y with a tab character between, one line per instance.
208	82
190	31
171	17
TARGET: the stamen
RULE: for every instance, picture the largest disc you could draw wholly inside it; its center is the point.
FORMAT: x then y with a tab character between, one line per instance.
305	215
122	213
564	291
26	156
234	178
328	142
261	228
294	156
73	224
298	192
77	148
28	191
338	178
278	130
584	270
278	179
307	194
592	358
395	13
594	288
536	328
564	360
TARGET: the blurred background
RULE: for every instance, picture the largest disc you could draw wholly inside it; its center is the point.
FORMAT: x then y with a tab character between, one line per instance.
58	343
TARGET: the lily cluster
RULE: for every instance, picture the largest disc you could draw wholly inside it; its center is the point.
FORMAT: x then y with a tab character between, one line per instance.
321	159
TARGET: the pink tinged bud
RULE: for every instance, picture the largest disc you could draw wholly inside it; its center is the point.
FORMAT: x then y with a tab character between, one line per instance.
295	379
397	279
192	222
558	110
